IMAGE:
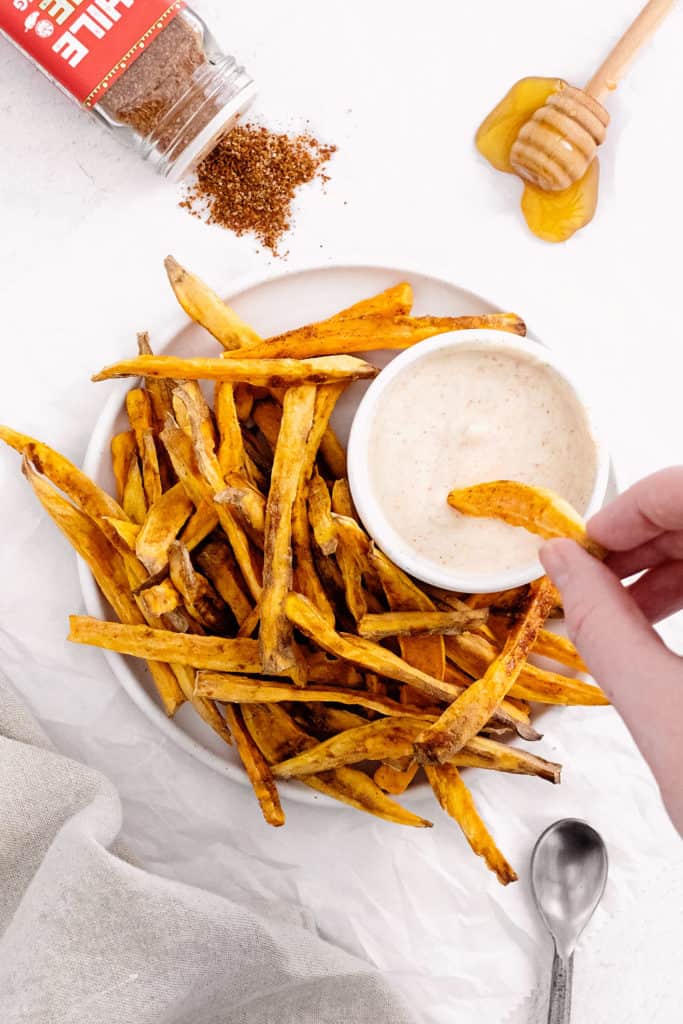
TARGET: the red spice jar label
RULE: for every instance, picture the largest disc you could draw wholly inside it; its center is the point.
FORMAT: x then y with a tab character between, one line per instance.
85	45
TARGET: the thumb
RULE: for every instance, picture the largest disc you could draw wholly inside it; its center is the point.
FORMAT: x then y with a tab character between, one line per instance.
642	678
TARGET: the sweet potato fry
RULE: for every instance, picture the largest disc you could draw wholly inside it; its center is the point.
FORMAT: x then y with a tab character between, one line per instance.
456	800
201	523
184	454
306	578
363	653
503	600
327	671
206	709
127	531
162	525
320	515
548	645
374	741
233	689
247	502
374	658
277	649
333	454
161	599
194	416
139	409
321	437
366	333
151	470
543	687
481	752
473	709
107	568
403	595
534	508
559	648
394	301
278	736
90	498
139	641
410	624
475	654
326	720
244	401
259	456
140	415
392	739
342	502
88	541
231	456
249	625
351	559
160	391
205	307
256	767
305	575
123	454
201	600
396	780
267	416
275	732
217	561
271	373
134	497
356	789
113	577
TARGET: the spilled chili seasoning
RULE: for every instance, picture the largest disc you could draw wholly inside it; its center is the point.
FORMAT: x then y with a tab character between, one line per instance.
248	182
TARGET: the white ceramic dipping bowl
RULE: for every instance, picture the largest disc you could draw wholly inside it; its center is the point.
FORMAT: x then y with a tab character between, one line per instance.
361	482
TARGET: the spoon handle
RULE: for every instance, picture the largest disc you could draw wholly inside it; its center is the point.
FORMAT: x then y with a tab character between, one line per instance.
560	1008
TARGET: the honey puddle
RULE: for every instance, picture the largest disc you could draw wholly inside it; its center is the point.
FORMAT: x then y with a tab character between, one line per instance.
552	216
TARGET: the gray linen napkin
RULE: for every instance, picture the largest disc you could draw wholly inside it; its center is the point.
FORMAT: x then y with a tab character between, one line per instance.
88	938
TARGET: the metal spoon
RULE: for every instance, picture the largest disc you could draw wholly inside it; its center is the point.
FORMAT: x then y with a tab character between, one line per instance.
568	875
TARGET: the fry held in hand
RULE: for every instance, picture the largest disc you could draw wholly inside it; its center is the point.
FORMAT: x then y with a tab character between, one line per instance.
533	508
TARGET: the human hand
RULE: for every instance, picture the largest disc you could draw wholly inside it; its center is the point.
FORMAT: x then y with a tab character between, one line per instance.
612	625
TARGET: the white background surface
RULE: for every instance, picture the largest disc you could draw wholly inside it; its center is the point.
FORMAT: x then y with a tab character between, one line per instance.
400	88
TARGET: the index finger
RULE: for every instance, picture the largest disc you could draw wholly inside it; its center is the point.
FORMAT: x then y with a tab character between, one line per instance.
648	508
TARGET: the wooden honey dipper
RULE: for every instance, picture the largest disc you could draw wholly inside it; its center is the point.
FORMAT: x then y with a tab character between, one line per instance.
557	144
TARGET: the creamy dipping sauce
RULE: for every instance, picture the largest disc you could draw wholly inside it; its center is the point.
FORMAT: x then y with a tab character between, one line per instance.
467	415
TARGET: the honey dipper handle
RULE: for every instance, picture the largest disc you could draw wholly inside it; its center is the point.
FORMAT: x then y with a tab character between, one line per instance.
614	67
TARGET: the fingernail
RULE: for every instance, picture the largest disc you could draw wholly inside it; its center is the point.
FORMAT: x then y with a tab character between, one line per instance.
553	557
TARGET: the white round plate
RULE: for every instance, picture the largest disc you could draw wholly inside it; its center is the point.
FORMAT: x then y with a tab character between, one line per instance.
271	305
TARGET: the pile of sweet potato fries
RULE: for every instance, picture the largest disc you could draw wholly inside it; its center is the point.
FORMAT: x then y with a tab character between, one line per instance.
237	567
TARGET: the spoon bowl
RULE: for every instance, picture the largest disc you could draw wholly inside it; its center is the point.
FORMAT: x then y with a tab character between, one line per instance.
568	875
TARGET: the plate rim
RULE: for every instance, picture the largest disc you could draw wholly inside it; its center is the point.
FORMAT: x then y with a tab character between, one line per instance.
168	328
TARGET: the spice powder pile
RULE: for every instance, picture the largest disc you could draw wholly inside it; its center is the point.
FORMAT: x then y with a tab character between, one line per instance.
248	182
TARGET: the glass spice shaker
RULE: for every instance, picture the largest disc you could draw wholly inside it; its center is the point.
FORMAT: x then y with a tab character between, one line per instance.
149	70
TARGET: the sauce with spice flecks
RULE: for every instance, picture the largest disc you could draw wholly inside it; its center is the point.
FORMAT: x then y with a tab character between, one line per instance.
467	415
